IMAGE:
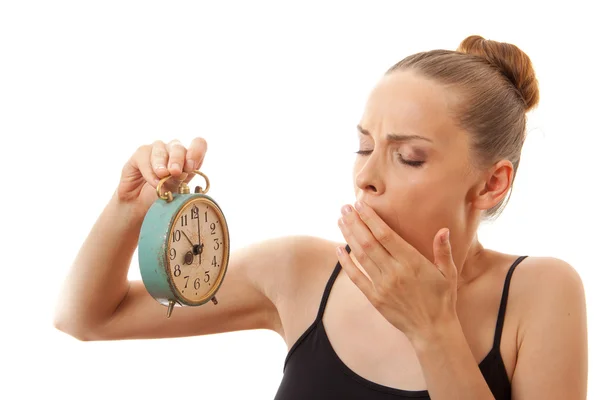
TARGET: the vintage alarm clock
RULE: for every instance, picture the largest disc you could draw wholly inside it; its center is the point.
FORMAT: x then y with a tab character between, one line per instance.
183	249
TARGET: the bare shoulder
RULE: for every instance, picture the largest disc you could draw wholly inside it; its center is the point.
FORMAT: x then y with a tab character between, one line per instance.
544	280
296	289
304	256
552	333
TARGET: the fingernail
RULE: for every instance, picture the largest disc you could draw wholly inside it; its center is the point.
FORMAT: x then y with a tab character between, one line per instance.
160	166
346	210
189	164
358	205
176	166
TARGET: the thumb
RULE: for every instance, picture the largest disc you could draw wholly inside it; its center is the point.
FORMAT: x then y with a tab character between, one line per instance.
442	252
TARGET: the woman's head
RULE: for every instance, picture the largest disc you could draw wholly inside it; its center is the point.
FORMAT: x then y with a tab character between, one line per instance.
469	108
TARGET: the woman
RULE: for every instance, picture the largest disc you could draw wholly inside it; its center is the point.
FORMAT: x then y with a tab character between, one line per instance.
405	310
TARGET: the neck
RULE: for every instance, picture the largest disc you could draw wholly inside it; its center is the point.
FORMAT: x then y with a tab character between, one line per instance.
469	263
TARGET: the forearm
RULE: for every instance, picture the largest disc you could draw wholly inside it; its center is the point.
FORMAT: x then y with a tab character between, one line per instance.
450	370
97	281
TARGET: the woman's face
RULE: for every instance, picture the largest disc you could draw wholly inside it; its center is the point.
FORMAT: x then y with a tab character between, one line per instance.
416	173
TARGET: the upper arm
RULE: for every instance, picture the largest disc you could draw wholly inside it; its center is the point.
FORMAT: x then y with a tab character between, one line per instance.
552	342
244	299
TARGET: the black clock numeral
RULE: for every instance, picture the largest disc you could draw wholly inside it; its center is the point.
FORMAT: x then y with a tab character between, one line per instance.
187	278
213	226
216	244
195	212
176	235
184	220
172	254
197	284
177	270
206	276
214	262
205	216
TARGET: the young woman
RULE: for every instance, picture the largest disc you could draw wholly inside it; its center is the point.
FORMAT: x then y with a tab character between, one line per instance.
413	306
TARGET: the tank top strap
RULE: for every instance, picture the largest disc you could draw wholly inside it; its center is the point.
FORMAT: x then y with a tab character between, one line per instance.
503	302
328	287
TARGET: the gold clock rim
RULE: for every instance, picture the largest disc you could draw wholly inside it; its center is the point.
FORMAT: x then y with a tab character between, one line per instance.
219	279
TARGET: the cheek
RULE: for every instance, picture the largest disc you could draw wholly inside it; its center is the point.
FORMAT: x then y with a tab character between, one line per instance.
416	212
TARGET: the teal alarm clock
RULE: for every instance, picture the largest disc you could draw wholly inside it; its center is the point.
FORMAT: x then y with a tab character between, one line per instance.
183	248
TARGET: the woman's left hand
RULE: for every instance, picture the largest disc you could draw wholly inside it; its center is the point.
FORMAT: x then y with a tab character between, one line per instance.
412	293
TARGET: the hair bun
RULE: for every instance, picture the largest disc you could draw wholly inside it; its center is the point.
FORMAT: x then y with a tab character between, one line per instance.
511	61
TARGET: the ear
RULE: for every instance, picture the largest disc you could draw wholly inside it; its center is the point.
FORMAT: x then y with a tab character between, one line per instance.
494	185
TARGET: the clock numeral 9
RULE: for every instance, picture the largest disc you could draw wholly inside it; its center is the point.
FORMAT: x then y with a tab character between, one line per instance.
172	254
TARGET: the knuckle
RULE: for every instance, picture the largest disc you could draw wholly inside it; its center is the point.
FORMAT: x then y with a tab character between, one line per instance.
383	236
361	256
366	244
142	149
199	142
175	144
377	299
159	154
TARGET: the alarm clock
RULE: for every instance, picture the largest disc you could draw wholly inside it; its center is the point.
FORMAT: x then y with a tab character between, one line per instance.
183	247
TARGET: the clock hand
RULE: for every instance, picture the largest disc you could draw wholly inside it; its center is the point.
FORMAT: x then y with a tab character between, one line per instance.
186	236
198	228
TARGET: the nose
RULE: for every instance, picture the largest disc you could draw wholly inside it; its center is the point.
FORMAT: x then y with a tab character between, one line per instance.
369	177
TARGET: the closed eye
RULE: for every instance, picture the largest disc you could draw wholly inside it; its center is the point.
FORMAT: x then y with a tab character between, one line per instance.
402	160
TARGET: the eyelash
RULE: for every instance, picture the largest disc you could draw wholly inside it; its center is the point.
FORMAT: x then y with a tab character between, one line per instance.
415	164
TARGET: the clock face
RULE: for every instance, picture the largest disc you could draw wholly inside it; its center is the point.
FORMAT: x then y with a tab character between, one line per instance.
197	250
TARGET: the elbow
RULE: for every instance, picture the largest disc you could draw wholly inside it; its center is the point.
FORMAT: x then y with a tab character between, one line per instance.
76	330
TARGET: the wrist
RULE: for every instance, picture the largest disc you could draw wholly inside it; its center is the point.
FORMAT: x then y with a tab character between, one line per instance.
131	212
437	336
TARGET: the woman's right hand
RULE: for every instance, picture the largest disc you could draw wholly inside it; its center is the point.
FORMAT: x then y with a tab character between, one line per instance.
150	163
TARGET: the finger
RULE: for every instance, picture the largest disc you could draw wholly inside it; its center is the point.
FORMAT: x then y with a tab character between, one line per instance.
354	273
393	243
195	154
141	161
442	251
176	157
158	159
362	247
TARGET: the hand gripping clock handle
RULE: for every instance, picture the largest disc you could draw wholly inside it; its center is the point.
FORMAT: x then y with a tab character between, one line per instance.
182	189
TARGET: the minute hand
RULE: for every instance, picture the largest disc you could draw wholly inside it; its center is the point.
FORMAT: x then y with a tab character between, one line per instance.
199	241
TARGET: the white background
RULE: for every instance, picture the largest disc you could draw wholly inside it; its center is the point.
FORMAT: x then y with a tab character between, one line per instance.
276	89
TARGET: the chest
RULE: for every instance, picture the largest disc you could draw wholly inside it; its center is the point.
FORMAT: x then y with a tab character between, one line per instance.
375	350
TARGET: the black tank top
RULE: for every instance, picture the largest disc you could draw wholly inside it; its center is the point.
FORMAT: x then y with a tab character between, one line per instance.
313	371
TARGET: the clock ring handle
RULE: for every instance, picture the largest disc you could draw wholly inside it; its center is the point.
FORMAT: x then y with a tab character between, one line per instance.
198	188
183	188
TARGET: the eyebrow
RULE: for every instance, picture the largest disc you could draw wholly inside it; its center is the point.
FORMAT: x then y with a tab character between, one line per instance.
394	137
